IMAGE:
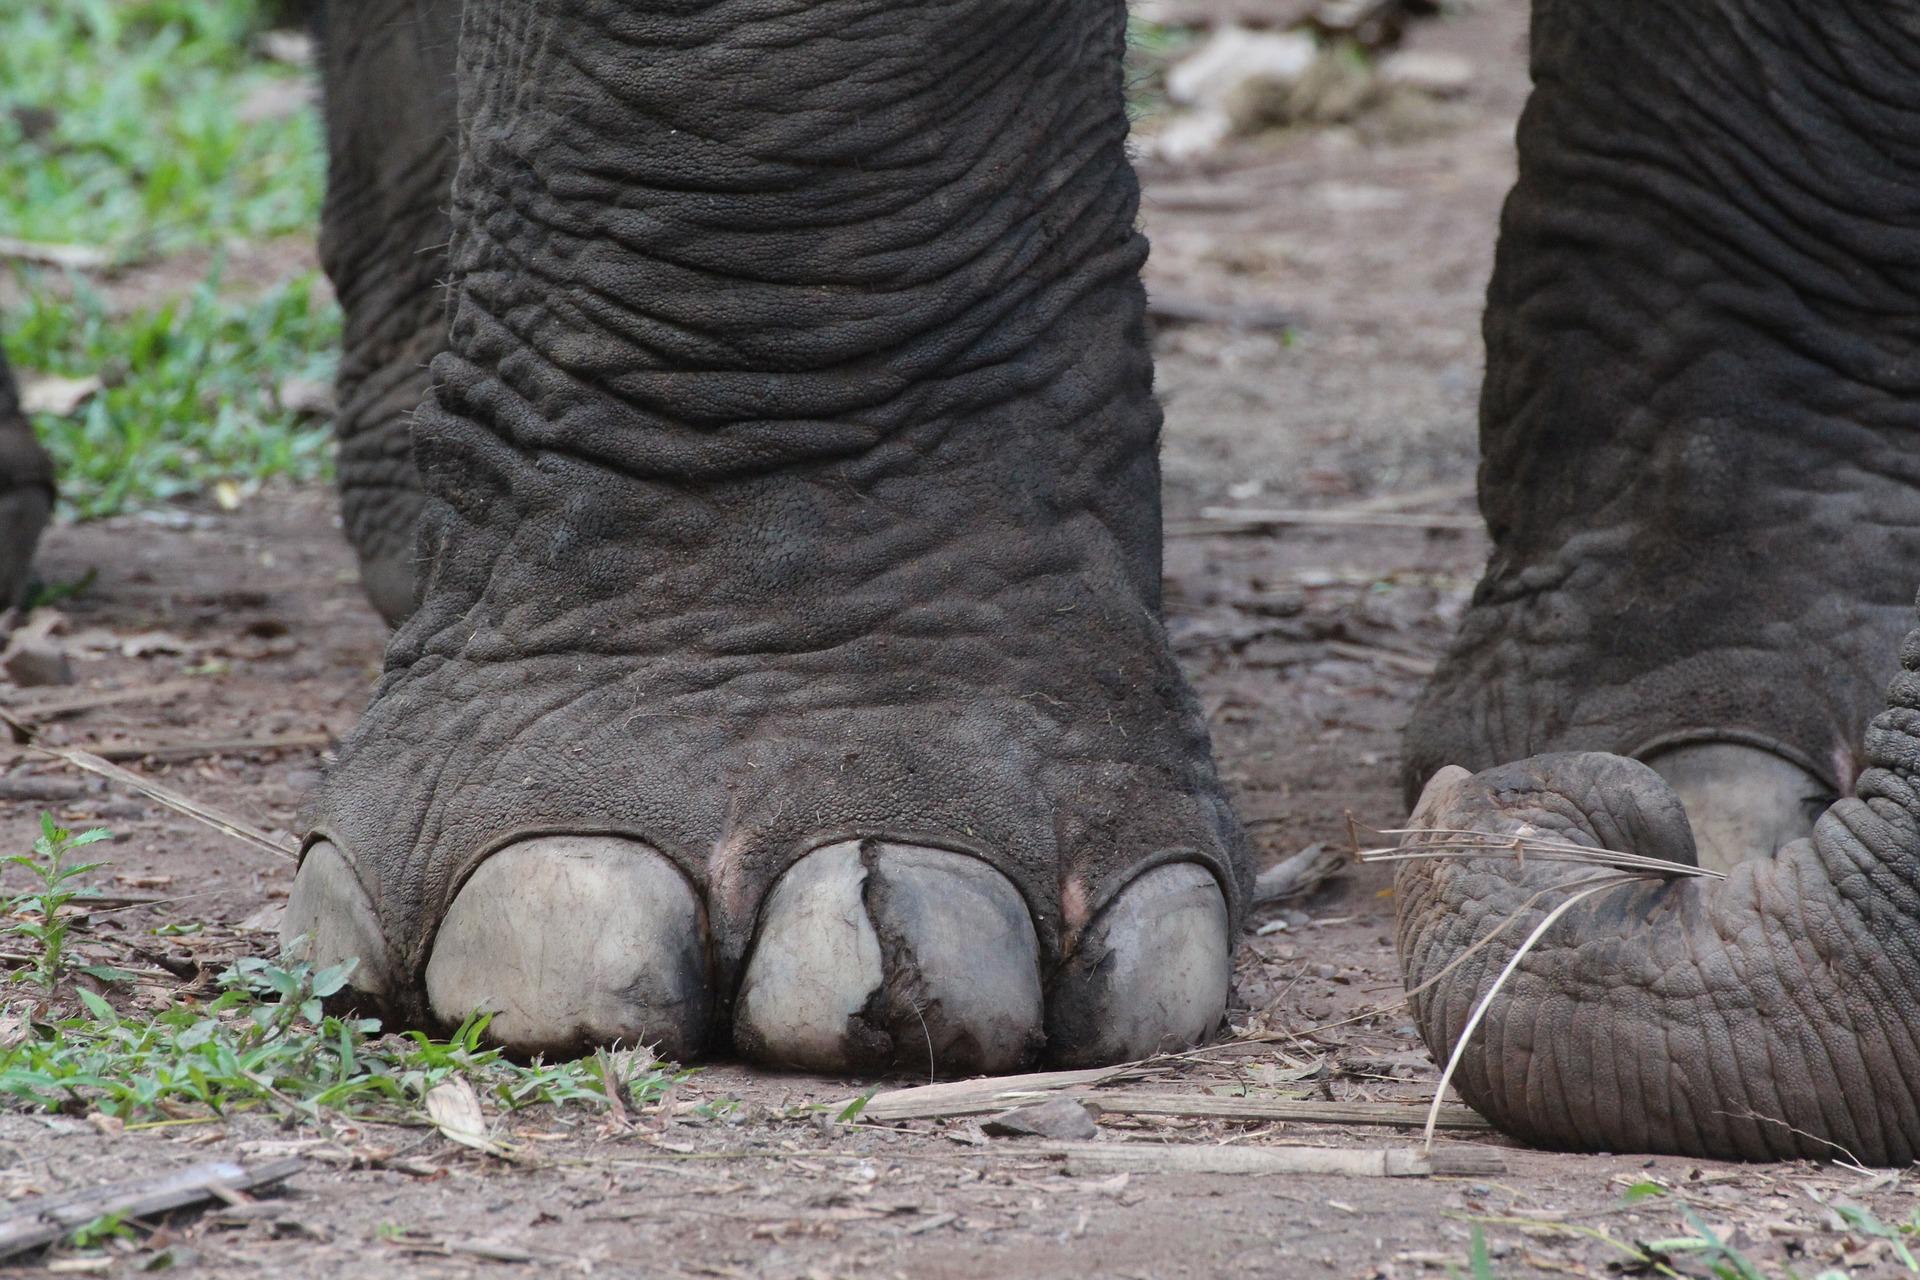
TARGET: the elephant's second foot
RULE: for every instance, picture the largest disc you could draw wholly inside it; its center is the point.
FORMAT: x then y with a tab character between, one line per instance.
1757	1015
1755	739
948	889
1741	800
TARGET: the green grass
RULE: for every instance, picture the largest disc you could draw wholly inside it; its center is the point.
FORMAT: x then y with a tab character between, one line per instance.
191	396
264	1042
120	127
121	130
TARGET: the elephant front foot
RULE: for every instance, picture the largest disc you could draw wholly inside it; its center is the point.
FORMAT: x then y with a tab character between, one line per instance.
26	494
905	846
1754	723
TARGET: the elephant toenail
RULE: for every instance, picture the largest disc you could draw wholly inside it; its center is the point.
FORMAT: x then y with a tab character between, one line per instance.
331	920
1150	974
572	942
1742	801
874	955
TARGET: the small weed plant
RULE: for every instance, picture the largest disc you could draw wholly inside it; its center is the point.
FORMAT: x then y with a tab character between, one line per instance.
1704	1246
39	916
1703	1251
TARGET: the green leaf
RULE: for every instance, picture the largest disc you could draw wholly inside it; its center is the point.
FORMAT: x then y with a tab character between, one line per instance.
198	1034
98	1007
106	973
851	1112
332	979
1478	1257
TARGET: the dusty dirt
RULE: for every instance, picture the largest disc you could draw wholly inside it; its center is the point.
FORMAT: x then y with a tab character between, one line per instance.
1307	646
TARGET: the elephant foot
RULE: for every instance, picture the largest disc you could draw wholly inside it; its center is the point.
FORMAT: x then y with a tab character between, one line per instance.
787	673
880	841
1750	705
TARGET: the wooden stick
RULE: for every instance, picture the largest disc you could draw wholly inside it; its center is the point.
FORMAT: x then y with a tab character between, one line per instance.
1394	1115
37	1223
1340	517
1362	1162
982	1097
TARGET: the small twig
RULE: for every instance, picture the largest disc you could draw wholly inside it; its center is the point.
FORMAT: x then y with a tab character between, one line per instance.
1375	1163
1229	520
1174	308
1298	875
1849	1160
1411	663
1408	499
977	1097
72	257
1484	844
1391	1115
238	828
113	901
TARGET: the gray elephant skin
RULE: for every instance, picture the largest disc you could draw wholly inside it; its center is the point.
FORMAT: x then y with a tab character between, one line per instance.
747	421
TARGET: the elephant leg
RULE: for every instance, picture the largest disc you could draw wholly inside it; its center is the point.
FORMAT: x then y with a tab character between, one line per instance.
1701	408
788	669
1701	477
387	67
26	492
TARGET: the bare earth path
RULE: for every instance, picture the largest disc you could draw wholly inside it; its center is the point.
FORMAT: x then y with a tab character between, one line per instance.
1307	644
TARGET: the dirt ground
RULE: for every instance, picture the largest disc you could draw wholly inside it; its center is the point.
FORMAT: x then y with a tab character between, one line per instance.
1307	644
